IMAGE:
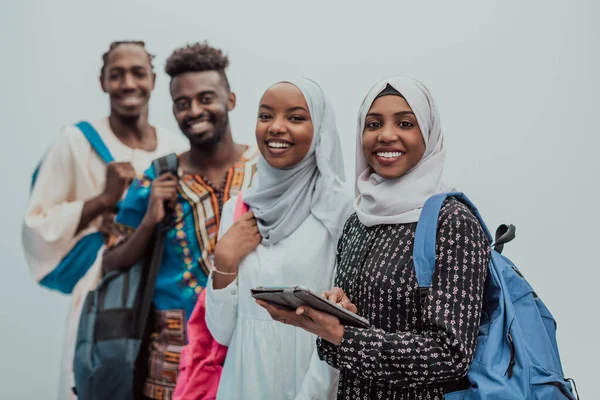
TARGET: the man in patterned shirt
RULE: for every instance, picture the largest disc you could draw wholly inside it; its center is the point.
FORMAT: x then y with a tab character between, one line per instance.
214	169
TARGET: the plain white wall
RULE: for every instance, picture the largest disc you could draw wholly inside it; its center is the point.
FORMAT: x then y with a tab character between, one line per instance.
517	84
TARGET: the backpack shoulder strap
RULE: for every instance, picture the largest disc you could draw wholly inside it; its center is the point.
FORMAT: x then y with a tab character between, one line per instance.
92	135
168	163
424	255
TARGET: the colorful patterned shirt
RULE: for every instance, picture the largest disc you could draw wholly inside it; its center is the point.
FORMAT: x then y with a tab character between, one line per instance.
189	246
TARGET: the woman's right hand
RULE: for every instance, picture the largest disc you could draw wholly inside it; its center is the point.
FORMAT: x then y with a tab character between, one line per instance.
163	192
338	296
239	241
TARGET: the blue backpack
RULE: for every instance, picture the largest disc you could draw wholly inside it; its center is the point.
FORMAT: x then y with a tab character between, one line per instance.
517	354
78	261
110	360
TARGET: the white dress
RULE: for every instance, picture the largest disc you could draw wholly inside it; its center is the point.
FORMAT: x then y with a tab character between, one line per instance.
72	173
267	359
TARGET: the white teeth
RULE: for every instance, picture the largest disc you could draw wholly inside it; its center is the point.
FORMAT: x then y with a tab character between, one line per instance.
198	125
389	154
278	145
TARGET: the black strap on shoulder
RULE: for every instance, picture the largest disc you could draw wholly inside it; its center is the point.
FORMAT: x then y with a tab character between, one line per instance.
168	163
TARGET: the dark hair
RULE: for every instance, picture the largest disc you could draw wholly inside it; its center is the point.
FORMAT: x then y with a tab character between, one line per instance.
116	44
197	57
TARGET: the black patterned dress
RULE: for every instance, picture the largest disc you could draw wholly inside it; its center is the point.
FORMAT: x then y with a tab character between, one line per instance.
410	352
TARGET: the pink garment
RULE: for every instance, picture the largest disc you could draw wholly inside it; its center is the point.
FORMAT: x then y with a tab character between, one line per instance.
202	359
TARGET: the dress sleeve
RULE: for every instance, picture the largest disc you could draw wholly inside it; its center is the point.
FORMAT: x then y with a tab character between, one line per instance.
327	351
49	228
443	351
320	381
221	304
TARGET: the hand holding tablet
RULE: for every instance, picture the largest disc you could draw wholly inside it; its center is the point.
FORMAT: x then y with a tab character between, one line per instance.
292	297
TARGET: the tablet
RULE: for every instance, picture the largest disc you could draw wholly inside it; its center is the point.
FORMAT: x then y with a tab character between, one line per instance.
292	297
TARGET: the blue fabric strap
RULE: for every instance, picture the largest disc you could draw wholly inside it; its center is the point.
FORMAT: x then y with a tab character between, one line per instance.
35	174
95	140
75	264
82	256
424	252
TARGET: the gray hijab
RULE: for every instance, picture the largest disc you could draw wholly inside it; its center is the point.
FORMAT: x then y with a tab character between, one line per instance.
282	199
381	201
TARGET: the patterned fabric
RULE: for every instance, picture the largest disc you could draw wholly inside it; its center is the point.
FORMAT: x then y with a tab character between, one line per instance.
187	259
166	342
190	243
115	233
409	353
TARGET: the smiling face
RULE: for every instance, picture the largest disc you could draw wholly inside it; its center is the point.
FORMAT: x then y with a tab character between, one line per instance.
392	142
284	129
128	79
201	105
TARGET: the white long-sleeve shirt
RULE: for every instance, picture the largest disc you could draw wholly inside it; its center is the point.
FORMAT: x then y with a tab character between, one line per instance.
267	359
70	174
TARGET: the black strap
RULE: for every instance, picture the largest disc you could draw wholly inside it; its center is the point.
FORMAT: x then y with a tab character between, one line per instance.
504	234
461	384
147	291
421	297
161	165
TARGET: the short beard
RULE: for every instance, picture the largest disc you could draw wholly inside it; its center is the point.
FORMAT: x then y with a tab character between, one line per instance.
209	145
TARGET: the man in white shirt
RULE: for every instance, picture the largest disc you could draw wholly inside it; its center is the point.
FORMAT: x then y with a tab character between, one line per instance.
81	180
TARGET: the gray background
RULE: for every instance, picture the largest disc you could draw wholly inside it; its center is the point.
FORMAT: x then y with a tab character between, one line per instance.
517	85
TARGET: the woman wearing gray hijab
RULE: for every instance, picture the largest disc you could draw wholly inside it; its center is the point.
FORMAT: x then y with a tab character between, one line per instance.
298	205
416	348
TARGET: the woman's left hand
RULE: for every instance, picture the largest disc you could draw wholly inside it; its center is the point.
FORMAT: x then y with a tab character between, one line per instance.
321	324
